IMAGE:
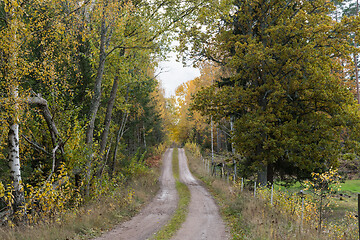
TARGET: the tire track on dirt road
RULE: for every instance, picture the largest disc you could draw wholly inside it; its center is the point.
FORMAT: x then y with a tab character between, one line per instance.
156	214
203	220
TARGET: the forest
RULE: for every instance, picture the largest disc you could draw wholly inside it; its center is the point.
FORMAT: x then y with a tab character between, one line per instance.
83	113
278	86
79	98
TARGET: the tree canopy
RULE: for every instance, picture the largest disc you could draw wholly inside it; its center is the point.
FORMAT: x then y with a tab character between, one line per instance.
294	114
78	89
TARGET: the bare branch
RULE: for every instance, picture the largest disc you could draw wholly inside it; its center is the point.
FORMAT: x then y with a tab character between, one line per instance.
36	145
54	162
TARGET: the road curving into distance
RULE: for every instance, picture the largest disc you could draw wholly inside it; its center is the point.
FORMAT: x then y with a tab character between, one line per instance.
156	214
202	222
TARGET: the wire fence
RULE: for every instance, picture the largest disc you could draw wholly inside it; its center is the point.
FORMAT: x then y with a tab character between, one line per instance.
300	205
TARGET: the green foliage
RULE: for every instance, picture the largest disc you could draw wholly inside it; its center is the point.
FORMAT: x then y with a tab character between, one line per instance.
294	116
136	169
159	149
106	186
136	166
324	184
193	148
93	218
51	50
323	187
45	202
289	206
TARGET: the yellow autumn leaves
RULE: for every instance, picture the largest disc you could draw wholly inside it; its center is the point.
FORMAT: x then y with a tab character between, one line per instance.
2	190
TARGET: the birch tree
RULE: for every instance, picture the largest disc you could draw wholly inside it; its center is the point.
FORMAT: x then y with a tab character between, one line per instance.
13	69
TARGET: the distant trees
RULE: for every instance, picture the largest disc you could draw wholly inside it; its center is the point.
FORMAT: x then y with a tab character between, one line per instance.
191	126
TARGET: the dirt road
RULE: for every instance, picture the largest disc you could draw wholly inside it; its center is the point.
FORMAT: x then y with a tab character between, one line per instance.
203	220
153	216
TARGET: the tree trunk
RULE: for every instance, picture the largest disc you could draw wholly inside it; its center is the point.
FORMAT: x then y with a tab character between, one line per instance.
105	159
270	174
107	121
14	157
14	164
144	131
356	62
95	102
57	142
262	176
320	214
212	144
218	140
119	135
232	145
11	78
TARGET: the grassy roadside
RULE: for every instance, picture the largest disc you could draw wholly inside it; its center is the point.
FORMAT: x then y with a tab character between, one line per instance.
96	217
245	218
254	218
343	202
180	214
230	206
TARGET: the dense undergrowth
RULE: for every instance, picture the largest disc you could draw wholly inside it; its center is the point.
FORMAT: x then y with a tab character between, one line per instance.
58	210
255	218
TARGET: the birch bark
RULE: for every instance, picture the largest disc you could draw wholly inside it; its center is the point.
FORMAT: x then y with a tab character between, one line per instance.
14	157
13	134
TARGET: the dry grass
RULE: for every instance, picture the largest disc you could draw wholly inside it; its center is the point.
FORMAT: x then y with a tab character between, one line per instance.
91	220
249	218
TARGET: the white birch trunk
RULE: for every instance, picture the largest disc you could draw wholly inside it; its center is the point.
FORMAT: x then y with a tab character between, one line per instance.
13	134
14	157
144	132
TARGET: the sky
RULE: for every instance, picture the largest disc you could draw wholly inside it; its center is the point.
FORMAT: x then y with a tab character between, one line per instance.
173	73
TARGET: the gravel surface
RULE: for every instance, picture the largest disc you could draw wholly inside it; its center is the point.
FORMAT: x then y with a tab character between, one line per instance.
156	214
203	220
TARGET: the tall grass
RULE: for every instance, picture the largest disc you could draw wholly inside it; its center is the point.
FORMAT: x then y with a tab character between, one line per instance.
254	218
95	217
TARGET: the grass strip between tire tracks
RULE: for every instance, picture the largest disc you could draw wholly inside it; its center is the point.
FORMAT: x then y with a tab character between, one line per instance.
180	214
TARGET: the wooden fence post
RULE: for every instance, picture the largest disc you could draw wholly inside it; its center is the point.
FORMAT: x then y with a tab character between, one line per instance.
242	184
255	189
359	213
302	210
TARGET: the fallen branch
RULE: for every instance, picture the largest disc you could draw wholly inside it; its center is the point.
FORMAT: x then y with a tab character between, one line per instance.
42	104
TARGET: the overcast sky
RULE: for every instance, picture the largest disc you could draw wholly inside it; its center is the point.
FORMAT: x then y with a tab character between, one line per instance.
173	74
